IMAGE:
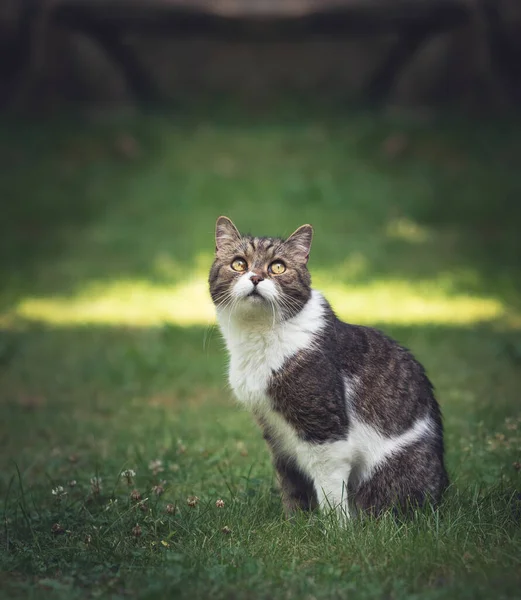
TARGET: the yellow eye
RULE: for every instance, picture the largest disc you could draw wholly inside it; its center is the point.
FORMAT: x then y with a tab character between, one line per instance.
277	267
239	265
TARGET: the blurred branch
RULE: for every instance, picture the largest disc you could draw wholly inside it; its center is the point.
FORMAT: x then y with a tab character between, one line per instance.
27	52
137	77
504	56
16	49
402	53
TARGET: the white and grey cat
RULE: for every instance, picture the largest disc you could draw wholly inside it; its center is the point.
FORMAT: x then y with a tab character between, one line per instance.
349	415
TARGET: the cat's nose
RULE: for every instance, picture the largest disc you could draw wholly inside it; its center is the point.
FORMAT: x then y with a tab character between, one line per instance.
256	279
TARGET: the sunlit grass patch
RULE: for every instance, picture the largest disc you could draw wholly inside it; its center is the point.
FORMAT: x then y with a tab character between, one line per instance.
144	303
406	303
139	303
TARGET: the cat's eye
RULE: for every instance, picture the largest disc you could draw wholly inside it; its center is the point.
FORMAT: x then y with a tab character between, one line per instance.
239	265
277	267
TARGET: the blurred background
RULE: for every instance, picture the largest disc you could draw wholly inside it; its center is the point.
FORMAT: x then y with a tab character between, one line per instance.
128	126
120	52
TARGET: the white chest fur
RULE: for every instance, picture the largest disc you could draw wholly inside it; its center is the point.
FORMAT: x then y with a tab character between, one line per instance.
258	347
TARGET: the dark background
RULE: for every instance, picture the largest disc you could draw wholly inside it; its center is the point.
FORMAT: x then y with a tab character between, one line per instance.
464	53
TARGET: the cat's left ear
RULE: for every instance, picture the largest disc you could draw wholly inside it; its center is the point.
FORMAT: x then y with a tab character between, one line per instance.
300	242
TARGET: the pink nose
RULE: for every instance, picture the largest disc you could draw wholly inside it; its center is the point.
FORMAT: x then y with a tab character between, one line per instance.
256	279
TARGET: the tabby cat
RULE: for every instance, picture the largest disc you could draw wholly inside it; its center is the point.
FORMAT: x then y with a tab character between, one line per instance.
348	414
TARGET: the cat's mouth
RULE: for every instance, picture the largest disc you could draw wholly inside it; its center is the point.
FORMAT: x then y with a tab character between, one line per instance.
254	294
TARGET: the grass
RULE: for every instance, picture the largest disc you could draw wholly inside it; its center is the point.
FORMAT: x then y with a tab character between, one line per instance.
109	359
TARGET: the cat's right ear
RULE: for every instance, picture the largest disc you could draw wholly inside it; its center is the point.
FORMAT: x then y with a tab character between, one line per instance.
226	234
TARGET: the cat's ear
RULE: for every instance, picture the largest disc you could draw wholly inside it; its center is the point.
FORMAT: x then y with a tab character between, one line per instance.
226	234
300	242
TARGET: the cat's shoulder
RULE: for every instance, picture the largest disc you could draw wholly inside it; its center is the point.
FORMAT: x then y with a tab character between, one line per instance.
360	342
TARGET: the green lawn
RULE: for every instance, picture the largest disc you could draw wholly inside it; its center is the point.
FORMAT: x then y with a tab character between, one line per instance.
109	359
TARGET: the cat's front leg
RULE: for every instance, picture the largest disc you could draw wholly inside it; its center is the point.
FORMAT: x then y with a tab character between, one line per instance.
298	492
331	488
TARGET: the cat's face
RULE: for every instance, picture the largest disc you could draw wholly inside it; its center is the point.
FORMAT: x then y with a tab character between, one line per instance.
260	276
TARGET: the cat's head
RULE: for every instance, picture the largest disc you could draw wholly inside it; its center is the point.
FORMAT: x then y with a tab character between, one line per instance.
260	275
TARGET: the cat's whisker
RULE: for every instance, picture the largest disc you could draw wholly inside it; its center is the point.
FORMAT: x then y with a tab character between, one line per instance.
274	310
208	334
223	296
220	301
226	302
234	303
292	306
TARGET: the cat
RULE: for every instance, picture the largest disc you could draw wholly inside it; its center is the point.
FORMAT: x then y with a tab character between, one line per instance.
348	414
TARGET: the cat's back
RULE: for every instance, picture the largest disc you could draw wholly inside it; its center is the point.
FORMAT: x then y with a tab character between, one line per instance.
385	384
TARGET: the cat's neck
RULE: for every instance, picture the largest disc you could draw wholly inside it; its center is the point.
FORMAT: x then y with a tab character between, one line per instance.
259	348
263	327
